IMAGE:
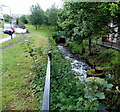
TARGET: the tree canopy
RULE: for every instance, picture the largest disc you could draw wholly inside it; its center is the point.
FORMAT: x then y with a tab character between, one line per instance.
52	15
6	17
83	20
37	15
23	19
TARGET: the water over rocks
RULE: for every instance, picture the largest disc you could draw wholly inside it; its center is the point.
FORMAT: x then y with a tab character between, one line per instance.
79	67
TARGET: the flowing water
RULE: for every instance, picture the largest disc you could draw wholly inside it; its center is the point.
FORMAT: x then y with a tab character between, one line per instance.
79	67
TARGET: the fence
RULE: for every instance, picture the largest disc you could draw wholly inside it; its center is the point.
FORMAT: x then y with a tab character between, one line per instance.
46	96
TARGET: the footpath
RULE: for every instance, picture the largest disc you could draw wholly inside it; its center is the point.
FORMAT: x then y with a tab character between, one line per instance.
106	44
7	38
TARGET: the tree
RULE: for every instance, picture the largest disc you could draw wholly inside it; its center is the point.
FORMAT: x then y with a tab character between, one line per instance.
23	19
52	15
37	16
6	17
82	21
17	20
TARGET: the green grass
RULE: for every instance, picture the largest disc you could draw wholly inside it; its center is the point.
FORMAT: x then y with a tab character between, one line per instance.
16	86
15	80
1	23
38	35
2	35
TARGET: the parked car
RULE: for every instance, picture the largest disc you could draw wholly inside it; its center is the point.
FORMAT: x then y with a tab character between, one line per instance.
8	29
20	30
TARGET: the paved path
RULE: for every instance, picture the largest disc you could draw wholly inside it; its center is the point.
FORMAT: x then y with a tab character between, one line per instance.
114	46
6	38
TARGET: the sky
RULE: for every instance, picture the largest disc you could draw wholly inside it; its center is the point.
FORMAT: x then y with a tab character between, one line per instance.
23	6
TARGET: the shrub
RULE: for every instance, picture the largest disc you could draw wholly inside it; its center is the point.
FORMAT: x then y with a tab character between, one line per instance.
108	55
75	48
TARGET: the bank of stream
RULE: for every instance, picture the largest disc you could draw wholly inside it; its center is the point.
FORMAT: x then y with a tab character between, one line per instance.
71	93
79	66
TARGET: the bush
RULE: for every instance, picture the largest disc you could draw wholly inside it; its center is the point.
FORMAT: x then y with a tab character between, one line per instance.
109	56
58	35
75	48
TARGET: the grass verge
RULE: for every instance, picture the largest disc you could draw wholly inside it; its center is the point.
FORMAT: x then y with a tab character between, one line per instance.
16	80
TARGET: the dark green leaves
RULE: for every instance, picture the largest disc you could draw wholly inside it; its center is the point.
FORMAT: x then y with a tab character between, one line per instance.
100	95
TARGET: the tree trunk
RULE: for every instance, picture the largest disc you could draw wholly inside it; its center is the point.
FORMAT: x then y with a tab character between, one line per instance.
36	27
83	49
90	52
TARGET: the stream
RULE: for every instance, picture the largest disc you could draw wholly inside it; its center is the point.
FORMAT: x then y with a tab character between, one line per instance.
79	67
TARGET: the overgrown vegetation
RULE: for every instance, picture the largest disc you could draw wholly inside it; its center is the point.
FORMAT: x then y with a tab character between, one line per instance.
84	20
79	23
39	60
69	93
108	59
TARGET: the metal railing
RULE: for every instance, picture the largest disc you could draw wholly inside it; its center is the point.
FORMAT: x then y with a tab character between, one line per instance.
46	96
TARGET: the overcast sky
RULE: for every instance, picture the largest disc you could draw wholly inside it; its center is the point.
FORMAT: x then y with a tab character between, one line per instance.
23	6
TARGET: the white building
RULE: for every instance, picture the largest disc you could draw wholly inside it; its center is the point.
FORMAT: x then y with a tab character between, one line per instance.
113	37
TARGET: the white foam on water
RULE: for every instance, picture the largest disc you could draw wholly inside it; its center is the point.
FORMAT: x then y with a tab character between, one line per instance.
79	67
